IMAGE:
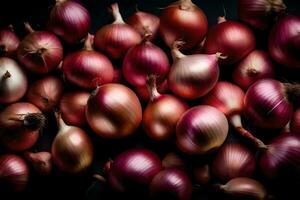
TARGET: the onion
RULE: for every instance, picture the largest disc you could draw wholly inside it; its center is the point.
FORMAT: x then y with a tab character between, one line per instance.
201	174
142	60
192	76
115	39
144	22
41	162
118	75
295	122
14	173
143	91
133	169
113	111
244	188
257	65
235	41
13	81
260	13
171	183
40	51
72	149
201	130
284	41
69	20
232	161
72	107
267	103
20	125
87	68
172	160
9	42
183	20
45	93
282	157
162	113
229	99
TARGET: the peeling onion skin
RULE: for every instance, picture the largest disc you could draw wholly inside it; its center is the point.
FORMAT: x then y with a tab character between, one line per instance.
14	173
9	42
113	111
171	183
201	130
232	161
295	122
13	81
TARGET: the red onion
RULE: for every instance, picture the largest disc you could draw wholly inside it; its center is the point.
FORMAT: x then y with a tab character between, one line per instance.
183	20
143	91
172	160
295	122
115	39
113	111
282	157
192	76
45	93
14	173
133	168
244	188
40	51
41	162
118	75
201	174
72	107
20	125
235	41
284	41
267	103
229	99
171	183
142	60
87	68
162	113
257	65
9	42
72	149
69	20
232	161
201	130
260	13
144	22
13	81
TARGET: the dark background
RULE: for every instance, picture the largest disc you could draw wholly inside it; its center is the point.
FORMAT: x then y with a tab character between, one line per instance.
83	186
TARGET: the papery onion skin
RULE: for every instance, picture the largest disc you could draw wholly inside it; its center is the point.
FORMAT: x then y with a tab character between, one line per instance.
244	188
20	125
69	20
235	41
171	183
295	122
284	42
13	83
256	65
45	93
133	168
113	111
143	92
142	60
143	21
201	130
72	107
184	21
260	14
281	157
14	173
41	161
72	149
9	42
232	161
115	39
40	51
267	105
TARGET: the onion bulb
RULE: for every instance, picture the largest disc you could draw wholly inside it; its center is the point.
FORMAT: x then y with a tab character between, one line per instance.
9	42
41	161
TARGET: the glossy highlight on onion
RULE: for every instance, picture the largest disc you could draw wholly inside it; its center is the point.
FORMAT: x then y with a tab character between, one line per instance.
9	42
113	111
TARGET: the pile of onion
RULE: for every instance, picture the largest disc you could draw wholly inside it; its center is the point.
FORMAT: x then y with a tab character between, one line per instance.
115	39
9	42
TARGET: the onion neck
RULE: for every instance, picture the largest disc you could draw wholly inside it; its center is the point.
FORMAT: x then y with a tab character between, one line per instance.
88	43
276	6
147	35
221	19
116	14
186	4
60	122
292	92
28	27
251	72
176	54
152	87
236	122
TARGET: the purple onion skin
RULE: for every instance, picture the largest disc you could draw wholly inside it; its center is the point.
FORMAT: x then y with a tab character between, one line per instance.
171	183
133	168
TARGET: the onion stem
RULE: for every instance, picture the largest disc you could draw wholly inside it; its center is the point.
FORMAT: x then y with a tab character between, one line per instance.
277	5
152	87
5	76
88	43
28	27
176	54
116	14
